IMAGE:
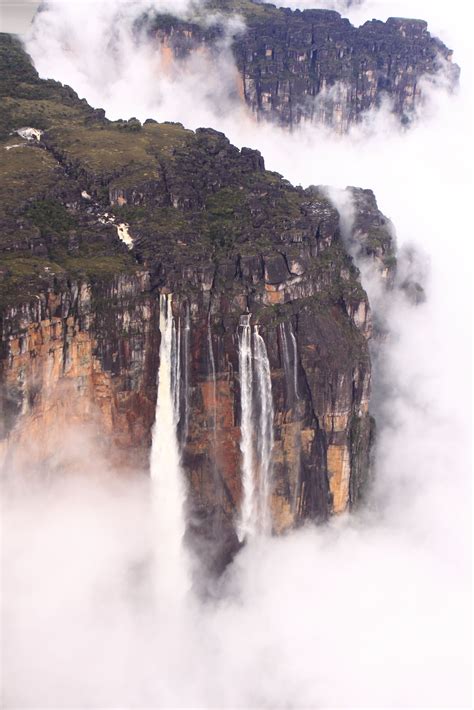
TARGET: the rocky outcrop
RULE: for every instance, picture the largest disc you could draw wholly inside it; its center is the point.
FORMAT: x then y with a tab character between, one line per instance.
80	309
313	65
368	234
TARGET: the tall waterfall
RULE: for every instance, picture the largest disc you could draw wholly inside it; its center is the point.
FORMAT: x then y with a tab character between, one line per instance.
285	356
297	440
168	488
212	368
295	362
186	337
256	441
290	363
265	431
212	372
248	512
290	367
175	364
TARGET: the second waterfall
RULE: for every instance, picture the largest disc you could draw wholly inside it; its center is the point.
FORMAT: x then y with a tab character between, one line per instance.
168	486
256	442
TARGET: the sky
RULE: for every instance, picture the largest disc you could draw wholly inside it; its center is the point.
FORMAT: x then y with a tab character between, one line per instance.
16	15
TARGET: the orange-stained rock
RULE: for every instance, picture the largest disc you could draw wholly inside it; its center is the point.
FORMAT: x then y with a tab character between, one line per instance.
339	476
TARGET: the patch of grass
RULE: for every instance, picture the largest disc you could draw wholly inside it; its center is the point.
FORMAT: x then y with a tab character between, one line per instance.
20	265
99	266
130	213
26	173
22	275
378	238
224	217
123	157
50	216
250	10
42	113
390	261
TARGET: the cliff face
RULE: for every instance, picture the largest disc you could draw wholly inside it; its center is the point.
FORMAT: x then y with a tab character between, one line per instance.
79	354
313	65
98	219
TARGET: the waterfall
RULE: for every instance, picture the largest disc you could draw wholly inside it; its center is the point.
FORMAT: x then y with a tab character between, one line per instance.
256	441
297	441
186	337
212	372
168	487
248	514
285	356
290	367
175	367
265	431
212	368
290	363
295	362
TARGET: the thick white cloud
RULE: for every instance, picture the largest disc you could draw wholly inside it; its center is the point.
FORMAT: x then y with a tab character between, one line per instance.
372	611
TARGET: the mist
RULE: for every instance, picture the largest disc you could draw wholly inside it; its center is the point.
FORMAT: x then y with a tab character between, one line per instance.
372	610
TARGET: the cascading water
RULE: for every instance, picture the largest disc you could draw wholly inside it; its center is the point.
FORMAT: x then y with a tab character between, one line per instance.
256	441
265	432
295	362
176	367
290	367
186	338
212	372
248	516
168	488
285	356
212	368
290	363
297	439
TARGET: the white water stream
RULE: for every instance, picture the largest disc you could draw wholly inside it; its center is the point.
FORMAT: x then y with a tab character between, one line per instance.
247	521
290	368
295	362
265	432
256	441
289	362
212	372
285	356
186	353
168	487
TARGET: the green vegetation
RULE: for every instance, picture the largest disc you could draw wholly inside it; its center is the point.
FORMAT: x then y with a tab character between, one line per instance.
250	10
26	174
378	239
97	267
21	266
50	216
23	275
390	261
224	217
189	198
133	125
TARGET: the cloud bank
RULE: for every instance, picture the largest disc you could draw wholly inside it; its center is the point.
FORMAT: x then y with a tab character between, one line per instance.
372	610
